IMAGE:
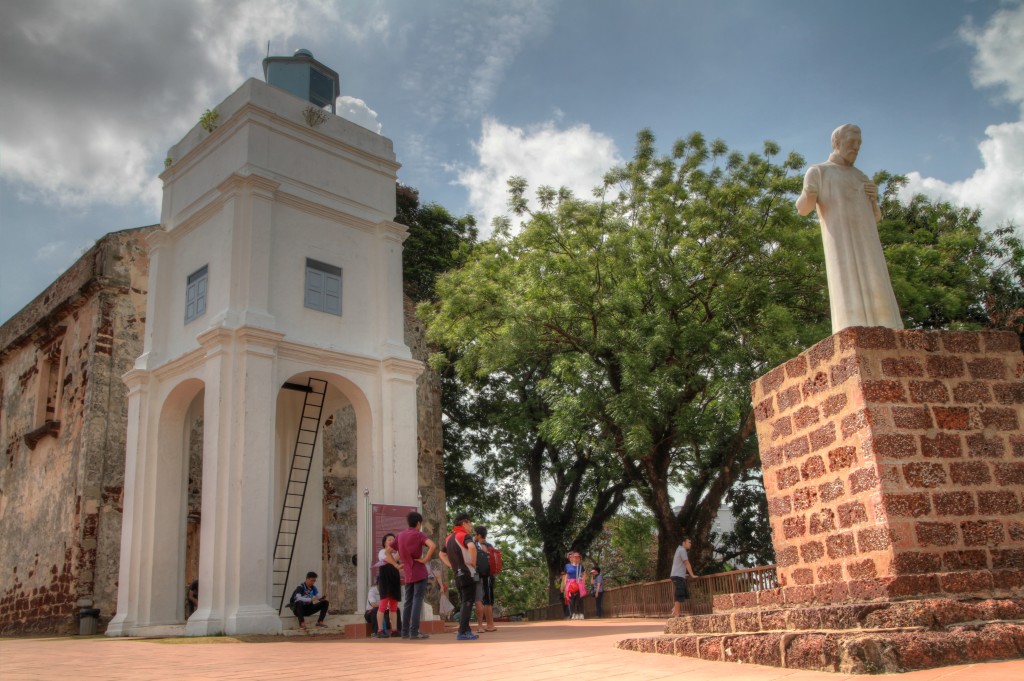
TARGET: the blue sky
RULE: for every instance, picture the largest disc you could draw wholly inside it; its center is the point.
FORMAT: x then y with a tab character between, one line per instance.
472	92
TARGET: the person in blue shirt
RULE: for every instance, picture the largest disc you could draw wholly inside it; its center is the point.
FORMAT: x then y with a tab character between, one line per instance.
597	583
306	600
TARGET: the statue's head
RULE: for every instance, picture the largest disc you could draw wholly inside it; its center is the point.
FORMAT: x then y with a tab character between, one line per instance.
846	142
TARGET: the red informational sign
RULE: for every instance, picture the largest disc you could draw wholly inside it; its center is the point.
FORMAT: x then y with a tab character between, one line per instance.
385	519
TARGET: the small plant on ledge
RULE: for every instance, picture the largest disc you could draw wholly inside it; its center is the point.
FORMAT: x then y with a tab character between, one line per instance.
314	116
208	121
168	161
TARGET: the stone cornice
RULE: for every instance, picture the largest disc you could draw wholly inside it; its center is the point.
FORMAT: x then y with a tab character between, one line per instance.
407	367
392	230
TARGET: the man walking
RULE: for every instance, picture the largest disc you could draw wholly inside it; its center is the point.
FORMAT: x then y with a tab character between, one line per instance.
306	600
410	543
459	553
680	570
485	592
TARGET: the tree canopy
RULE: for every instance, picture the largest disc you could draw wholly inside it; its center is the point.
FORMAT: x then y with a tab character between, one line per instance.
652	307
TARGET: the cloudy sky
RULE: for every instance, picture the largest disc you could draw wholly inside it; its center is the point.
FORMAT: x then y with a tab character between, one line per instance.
94	92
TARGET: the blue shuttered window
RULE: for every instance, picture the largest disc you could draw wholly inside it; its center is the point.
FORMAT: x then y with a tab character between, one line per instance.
323	287
195	293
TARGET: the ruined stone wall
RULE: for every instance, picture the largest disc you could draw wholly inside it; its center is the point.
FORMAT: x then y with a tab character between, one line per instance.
894	465
63	434
428	424
341	500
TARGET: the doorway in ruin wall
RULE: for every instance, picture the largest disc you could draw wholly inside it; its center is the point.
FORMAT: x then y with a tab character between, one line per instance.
328	524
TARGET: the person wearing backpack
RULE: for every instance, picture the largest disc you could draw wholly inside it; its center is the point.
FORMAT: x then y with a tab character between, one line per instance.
485	590
459	553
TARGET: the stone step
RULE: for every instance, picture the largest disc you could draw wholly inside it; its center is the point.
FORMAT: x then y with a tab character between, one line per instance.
849	652
924	613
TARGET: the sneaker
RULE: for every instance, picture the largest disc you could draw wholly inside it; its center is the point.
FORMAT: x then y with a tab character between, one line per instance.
382	634
302	625
468	636
419	636
321	625
405	635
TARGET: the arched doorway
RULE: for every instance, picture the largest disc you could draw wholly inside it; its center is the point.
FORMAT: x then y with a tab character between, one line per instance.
180	415
326	533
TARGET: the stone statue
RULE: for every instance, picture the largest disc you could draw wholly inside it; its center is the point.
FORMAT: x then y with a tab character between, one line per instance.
859	290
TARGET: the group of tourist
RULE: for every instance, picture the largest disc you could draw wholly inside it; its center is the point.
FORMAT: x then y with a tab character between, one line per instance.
470	557
466	551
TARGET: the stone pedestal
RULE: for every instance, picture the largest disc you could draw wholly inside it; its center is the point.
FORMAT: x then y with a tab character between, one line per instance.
894	467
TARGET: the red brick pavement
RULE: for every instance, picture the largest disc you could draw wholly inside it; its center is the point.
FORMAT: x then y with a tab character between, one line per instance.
533	651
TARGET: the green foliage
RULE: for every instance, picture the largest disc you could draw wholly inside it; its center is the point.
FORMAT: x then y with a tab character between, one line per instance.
208	121
651	309
436	243
749	544
522	583
947	272
627	549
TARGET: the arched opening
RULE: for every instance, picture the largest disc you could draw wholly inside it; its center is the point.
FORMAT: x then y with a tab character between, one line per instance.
177	445
326	537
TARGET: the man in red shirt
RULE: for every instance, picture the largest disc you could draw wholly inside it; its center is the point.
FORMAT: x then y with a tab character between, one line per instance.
410	543
459	553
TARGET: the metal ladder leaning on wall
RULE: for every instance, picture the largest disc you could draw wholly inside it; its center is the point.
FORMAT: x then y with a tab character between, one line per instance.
298	475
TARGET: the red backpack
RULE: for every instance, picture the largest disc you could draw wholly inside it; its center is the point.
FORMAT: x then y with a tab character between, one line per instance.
495	562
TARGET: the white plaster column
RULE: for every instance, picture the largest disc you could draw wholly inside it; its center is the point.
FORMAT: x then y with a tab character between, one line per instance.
132	520
208	619
391	315
249	413
399	454
160	285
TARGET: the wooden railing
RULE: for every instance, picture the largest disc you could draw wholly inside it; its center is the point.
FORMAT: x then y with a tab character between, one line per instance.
654	599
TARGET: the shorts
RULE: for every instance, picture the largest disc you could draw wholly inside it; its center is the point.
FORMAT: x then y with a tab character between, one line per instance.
388	604
485	590
681	591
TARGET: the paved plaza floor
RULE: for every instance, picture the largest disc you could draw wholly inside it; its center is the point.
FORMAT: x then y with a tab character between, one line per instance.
516	652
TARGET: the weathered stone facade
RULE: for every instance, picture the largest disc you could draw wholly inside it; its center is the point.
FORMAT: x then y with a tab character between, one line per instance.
428	425
63	433
63	429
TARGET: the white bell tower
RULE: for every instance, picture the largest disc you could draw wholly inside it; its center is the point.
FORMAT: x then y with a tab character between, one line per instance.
277	276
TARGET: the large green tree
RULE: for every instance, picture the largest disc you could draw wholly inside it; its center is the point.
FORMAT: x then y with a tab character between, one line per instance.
654	305
562	492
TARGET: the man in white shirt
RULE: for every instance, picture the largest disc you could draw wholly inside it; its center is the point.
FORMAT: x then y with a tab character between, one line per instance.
680	570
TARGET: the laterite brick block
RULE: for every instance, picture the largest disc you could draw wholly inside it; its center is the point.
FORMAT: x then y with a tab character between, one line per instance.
894	456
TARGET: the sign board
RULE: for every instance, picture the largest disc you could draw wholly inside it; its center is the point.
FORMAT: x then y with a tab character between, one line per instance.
385	518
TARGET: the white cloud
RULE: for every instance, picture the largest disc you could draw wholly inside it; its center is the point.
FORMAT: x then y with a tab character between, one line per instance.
576	157
94	93
357	111
998	186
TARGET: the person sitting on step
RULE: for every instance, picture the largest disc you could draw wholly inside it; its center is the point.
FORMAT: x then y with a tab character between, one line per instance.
306	600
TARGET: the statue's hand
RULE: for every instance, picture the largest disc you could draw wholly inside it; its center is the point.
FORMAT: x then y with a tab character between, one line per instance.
871	189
